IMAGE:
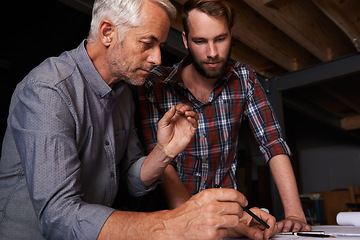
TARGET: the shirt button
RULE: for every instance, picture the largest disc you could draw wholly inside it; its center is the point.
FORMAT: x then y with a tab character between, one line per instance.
107	143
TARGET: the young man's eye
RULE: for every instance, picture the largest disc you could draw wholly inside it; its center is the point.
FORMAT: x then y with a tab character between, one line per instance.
199	42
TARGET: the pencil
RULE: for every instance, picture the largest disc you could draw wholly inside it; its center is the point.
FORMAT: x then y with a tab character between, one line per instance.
256	217
251	213
309	234
319	234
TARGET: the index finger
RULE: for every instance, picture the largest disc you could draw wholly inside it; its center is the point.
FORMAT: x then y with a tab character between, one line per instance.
192	114
182	108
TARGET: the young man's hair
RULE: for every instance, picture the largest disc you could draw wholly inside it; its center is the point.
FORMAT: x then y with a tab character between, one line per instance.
214	8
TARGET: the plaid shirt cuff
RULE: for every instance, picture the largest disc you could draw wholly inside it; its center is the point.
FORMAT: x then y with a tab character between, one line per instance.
275	147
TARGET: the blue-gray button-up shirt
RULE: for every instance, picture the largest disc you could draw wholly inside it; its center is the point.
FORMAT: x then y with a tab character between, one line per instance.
69	139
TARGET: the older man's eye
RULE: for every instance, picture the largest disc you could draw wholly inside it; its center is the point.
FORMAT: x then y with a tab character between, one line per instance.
146	45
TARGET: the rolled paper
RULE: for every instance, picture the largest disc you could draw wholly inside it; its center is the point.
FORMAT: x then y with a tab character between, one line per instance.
348	218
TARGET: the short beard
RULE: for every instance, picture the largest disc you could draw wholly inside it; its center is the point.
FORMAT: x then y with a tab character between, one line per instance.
120	70
208	74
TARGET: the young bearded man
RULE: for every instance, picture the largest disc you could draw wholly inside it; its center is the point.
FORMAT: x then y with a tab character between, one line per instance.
222	92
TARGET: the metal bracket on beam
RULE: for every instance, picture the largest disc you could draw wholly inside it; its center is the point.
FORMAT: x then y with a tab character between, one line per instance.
267	86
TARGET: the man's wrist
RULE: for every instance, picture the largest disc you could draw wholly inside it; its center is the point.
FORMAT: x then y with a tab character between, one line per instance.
163	150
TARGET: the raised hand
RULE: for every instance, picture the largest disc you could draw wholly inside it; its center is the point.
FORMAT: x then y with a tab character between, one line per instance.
176	129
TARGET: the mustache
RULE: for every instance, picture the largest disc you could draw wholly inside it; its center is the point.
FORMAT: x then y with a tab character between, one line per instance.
213	60
147	67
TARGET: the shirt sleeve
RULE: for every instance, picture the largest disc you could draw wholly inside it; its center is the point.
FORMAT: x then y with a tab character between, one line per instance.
44	132
263	121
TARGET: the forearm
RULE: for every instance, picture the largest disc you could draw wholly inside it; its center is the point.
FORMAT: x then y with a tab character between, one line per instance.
284	177
175	191
208	214
154	165
133	225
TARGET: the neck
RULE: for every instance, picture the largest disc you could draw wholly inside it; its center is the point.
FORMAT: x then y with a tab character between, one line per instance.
200	86
191	76
96	53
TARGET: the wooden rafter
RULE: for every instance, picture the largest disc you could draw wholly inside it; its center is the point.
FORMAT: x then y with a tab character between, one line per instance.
303	22
262	65
350	123
342	96
346	15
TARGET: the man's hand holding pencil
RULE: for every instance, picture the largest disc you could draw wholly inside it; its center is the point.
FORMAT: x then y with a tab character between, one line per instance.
253	228
254	223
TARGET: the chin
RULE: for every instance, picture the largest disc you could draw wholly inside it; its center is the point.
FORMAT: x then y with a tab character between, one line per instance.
136	82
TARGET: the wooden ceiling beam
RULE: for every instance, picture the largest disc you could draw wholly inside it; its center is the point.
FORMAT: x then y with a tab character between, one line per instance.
268	2
260	35
313	111
342	96
346	123
350	123
317	97
302	21
262	65
345	14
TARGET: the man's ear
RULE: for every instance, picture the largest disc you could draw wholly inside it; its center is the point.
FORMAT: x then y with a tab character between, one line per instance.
184	39
106	32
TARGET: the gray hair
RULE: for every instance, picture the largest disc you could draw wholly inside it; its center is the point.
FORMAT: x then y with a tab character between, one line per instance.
124	14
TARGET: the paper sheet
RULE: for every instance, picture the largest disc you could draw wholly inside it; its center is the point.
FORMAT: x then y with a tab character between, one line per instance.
339	232
348	218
